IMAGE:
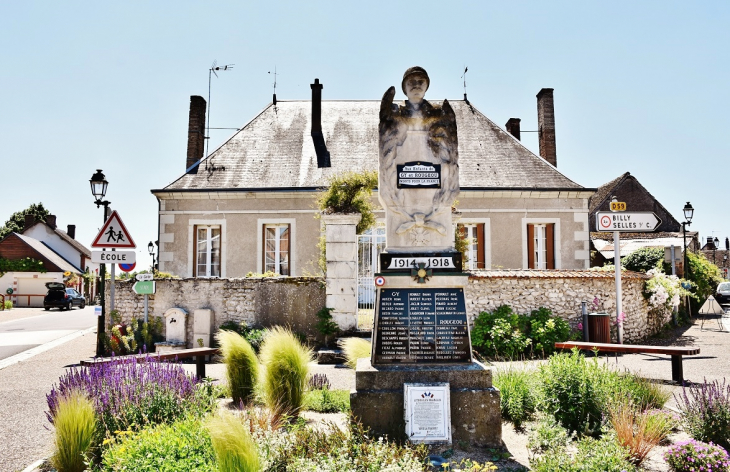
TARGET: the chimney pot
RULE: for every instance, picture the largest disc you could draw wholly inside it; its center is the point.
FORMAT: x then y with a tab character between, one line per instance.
51	221
196	132
513	127
71	231
546	125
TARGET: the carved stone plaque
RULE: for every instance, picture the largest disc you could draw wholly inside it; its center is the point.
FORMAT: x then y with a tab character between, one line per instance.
424	326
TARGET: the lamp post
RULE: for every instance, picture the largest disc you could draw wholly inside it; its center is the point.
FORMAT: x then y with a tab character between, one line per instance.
98	190
688	214
151	250
714	249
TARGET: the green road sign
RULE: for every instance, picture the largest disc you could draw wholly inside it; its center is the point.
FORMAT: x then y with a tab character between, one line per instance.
146	287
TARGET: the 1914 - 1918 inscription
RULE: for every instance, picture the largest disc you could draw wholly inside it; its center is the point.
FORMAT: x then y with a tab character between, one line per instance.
426	325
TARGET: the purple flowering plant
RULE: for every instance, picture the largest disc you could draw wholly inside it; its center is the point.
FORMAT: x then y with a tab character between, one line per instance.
690	456
705	411
129	394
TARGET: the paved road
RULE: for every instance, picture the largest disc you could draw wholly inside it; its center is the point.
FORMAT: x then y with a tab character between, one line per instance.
32	327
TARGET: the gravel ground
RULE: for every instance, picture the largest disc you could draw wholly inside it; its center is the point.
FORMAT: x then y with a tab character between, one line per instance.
25	433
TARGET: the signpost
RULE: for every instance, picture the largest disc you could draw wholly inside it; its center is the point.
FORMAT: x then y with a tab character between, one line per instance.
145	286
620	221
113	235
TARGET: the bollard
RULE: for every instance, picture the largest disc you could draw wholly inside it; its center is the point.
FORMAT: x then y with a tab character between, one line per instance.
584	311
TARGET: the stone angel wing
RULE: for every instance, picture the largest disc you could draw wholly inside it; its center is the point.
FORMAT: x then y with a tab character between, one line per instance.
391	134
445	147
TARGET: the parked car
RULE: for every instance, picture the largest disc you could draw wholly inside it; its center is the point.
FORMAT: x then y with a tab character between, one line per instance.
722	294
59	296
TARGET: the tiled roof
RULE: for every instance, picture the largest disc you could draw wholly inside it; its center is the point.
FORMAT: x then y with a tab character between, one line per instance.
50	254
552	274
275	150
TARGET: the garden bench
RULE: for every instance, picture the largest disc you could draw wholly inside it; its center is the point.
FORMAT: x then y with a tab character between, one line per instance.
675	352
198	353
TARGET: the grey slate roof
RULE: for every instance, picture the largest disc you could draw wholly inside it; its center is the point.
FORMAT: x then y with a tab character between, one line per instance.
275	150
50	254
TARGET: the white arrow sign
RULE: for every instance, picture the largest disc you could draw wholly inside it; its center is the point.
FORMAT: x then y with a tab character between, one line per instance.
113	257
629	222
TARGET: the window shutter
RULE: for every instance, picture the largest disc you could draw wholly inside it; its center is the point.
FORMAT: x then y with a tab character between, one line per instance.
195	250
550	244
480	246
530	246
288	250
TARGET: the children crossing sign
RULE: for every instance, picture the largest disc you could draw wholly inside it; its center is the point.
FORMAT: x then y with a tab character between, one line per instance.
114	234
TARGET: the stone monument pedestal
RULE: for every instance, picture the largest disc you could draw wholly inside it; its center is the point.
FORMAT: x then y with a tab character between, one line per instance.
377	400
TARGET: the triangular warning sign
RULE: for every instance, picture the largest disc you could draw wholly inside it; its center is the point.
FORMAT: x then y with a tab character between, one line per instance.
711	307
113	234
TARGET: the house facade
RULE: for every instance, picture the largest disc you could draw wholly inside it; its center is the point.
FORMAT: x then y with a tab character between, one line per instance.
250	205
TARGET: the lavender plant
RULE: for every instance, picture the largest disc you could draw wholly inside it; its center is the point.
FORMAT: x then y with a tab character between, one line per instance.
693	455
129	394
705	412
319	382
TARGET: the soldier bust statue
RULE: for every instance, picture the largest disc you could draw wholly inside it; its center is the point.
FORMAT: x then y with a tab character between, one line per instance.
419	168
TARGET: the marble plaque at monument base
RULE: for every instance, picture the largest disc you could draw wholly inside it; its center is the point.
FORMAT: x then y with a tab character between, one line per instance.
377	400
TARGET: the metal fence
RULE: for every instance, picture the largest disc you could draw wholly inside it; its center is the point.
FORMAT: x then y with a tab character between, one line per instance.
369	247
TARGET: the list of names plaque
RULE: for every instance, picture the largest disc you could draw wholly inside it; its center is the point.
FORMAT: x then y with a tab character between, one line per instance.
426	325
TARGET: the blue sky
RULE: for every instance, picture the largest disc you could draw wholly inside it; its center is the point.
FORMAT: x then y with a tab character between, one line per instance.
642	87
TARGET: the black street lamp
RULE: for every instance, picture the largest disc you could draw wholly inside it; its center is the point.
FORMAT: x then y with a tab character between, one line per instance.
714	249
688	214
151	250
98	190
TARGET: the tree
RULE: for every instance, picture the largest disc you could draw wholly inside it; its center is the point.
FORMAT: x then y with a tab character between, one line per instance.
17	219
644	259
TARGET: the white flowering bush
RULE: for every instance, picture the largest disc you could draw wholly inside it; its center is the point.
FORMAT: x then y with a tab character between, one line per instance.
664	292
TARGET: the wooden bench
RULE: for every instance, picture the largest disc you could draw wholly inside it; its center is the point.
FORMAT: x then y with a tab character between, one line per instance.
675	352
198	353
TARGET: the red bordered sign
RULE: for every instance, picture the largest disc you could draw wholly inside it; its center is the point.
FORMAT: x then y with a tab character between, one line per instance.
114	234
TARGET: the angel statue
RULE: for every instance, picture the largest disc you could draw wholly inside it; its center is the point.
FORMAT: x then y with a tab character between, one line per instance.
419	168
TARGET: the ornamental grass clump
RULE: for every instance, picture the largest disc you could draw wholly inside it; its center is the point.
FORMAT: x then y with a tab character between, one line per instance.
705	412
639	431
242	365
355	348
129	394
691	456
75	424
286	369
235	450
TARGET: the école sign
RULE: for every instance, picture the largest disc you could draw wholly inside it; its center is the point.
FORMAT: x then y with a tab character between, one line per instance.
113	257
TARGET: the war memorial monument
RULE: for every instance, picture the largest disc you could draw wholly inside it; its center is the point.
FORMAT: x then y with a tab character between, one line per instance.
421	382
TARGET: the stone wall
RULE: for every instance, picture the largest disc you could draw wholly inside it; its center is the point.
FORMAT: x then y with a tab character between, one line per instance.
562	291
261	302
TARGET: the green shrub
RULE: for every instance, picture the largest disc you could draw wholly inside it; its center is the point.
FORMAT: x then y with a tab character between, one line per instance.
546	330
351	192
704	275
644	259
592	455
254	336
327	401
325	324
181	446
75	422
8	304
355	348
242	365
547	434
517	391
235	450
286	367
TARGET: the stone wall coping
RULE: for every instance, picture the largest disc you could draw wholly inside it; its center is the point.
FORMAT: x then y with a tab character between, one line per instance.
553	274
341	218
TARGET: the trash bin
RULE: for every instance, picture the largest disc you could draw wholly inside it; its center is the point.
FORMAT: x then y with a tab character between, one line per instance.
599	328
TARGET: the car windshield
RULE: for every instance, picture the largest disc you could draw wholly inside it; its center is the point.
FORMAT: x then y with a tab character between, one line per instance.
725	287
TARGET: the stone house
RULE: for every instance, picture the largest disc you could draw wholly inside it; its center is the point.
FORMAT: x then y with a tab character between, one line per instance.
249	205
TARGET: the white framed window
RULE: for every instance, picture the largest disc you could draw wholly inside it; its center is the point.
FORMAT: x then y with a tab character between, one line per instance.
276	248
477	234
207	248
541	243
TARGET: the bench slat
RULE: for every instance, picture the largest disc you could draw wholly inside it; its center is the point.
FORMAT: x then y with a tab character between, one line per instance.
182	354
630	348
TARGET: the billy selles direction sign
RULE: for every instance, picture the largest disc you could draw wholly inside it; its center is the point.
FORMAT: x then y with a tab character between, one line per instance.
630	222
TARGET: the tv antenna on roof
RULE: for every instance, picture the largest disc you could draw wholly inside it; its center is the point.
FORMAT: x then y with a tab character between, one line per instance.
213	70
274	84
466	69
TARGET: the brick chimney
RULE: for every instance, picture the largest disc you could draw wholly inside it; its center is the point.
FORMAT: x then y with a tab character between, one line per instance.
513	127
196	132
71	231
323	155
51	221
29	221
546	125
